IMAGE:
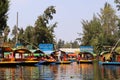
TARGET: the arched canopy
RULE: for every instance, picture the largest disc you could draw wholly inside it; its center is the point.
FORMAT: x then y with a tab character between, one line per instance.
22	51
72	54
86	53
57	52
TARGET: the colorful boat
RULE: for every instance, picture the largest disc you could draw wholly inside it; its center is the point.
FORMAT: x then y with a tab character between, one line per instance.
107	58
61	57
85	57
72	57
17	57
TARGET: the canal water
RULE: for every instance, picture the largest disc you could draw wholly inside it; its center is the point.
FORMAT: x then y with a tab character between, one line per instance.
71	71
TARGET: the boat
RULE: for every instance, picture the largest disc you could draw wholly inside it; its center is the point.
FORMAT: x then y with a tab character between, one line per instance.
109	63
61	57
19	57
85	57
110	57
106	58
72	57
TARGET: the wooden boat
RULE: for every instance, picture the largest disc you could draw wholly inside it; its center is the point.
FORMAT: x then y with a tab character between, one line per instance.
85	57
85	61
110	57
72	57
46	62
16	63
62	58
106	58
49	62
18	57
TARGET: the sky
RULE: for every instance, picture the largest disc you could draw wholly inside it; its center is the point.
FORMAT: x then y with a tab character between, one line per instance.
69	14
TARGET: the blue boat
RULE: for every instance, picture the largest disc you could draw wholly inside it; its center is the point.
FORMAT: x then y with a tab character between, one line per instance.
109	63
106	58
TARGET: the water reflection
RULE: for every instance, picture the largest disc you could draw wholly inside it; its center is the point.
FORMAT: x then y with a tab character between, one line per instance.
19	73
61	72
67	72
110	72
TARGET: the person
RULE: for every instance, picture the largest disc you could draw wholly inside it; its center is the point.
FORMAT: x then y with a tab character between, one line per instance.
79	57
111	59
103	59
11	56
59	55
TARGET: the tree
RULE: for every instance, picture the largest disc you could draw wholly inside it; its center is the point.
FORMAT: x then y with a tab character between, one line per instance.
118	4
14	33
28	36
60	43
44	31
75	44
109	24
6	32
91	31
20	35
101	30
4	6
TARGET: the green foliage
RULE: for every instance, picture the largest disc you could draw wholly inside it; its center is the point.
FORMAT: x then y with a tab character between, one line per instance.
44	31
62	44
14	33
101	30
4	5
6	32
117	50
117	4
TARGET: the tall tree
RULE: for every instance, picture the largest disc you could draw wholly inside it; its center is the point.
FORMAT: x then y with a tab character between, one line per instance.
14	33
109	24
44	31
102	30
20	35
60	43
91	31
4	6
29	37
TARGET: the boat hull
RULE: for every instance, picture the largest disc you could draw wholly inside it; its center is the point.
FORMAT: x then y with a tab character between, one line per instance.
17	63
63	62
53	62
85	61
109	63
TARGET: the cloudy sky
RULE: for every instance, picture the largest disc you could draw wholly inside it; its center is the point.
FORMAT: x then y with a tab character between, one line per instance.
69	14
